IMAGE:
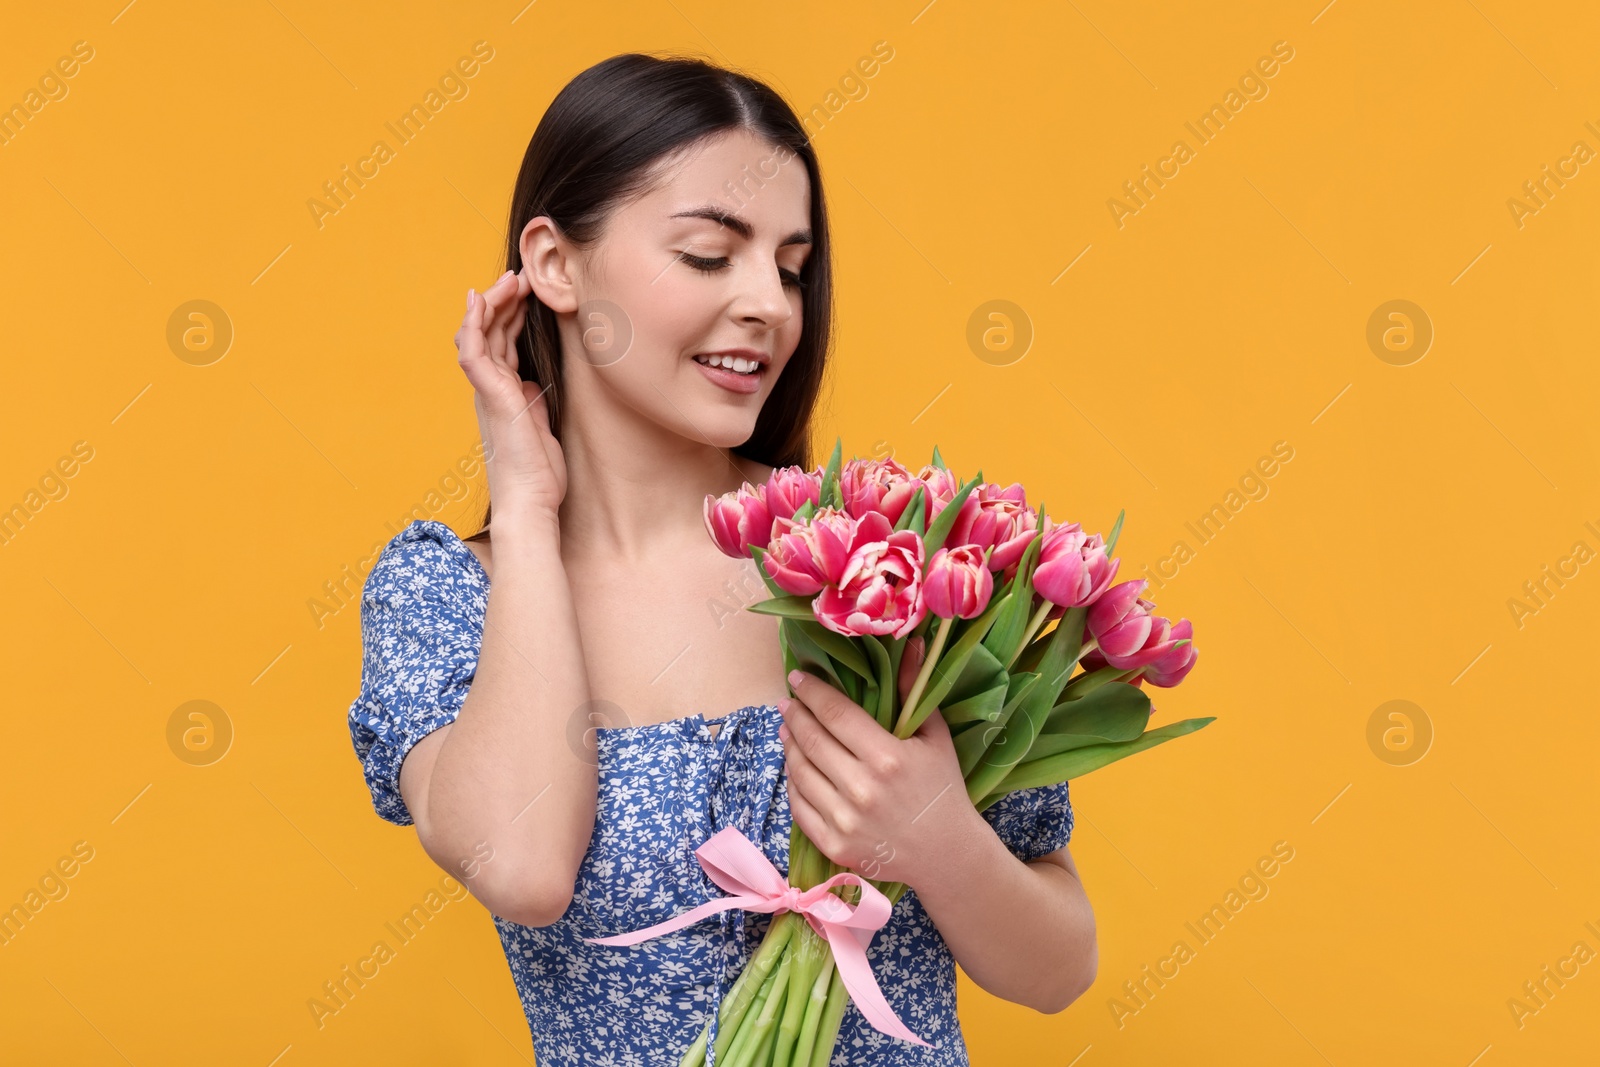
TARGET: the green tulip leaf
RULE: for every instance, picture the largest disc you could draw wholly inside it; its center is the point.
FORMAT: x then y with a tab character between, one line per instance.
787	607
1066	766
974	740
913	511
1086	683
883	706
971	749
760	555
831	495
981	673
1116	711
1005	639
1024	724
939	528
986	705
953	661
1116	531
840	647
810	656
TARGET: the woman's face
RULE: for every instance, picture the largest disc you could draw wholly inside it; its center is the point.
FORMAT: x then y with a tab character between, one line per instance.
706	262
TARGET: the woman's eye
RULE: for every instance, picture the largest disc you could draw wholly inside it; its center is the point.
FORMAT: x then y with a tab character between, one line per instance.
707	266
704	264
711	266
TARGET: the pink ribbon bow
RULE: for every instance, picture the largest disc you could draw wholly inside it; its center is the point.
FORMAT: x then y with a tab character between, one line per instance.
738	866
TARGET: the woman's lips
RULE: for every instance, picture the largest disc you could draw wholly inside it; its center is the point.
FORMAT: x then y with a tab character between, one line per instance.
732	381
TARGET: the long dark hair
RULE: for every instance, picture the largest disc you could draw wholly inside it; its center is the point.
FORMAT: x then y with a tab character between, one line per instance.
594	148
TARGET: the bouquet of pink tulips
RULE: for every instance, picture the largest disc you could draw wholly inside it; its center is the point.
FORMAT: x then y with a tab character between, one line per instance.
862	557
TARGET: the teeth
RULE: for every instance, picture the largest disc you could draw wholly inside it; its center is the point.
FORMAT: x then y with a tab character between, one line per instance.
734	363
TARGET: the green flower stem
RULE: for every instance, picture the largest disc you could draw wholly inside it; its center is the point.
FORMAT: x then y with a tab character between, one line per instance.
761	1030
1063	649
813	1033
766	959
1084	684
806	862
815	1002
1034	624
732	1044
788	1031
832	1016
792	1021
810	951
696	1055
737	1000
930	660
769	1044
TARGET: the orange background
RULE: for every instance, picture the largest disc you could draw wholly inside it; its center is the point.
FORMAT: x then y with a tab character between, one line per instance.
1169	353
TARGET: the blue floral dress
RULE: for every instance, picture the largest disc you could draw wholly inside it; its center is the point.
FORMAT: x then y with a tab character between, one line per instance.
663	789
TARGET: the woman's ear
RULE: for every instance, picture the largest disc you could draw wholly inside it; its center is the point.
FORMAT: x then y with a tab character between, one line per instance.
547	264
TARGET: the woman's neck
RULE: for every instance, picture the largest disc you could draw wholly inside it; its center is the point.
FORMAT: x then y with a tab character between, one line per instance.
634	493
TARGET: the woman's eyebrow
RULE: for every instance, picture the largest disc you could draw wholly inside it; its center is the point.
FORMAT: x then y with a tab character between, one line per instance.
721	215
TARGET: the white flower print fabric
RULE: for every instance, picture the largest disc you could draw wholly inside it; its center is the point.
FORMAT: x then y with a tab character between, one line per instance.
664	788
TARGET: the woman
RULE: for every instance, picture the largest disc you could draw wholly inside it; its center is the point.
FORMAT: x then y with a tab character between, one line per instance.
660	335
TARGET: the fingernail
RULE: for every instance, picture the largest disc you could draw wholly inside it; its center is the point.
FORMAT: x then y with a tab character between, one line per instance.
783	705
796	677
469	298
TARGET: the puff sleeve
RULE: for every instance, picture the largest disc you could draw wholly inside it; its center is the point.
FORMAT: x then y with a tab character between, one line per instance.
1033	822
422	609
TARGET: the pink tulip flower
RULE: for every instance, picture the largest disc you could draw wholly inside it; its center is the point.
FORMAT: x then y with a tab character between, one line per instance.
941	487
1174	664
1158	641
1074	569
1166	665
958	583
738	520
992	517
880	589
1127	635
806	556
876	485
788	489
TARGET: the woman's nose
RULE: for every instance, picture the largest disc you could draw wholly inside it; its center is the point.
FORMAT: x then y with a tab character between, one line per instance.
764	297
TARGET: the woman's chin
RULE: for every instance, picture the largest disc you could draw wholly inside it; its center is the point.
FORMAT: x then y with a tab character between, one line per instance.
720	425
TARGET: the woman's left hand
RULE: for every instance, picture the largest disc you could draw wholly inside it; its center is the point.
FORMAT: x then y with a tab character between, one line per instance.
883	806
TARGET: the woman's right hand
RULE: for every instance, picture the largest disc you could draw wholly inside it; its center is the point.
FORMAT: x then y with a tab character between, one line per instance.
527	470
